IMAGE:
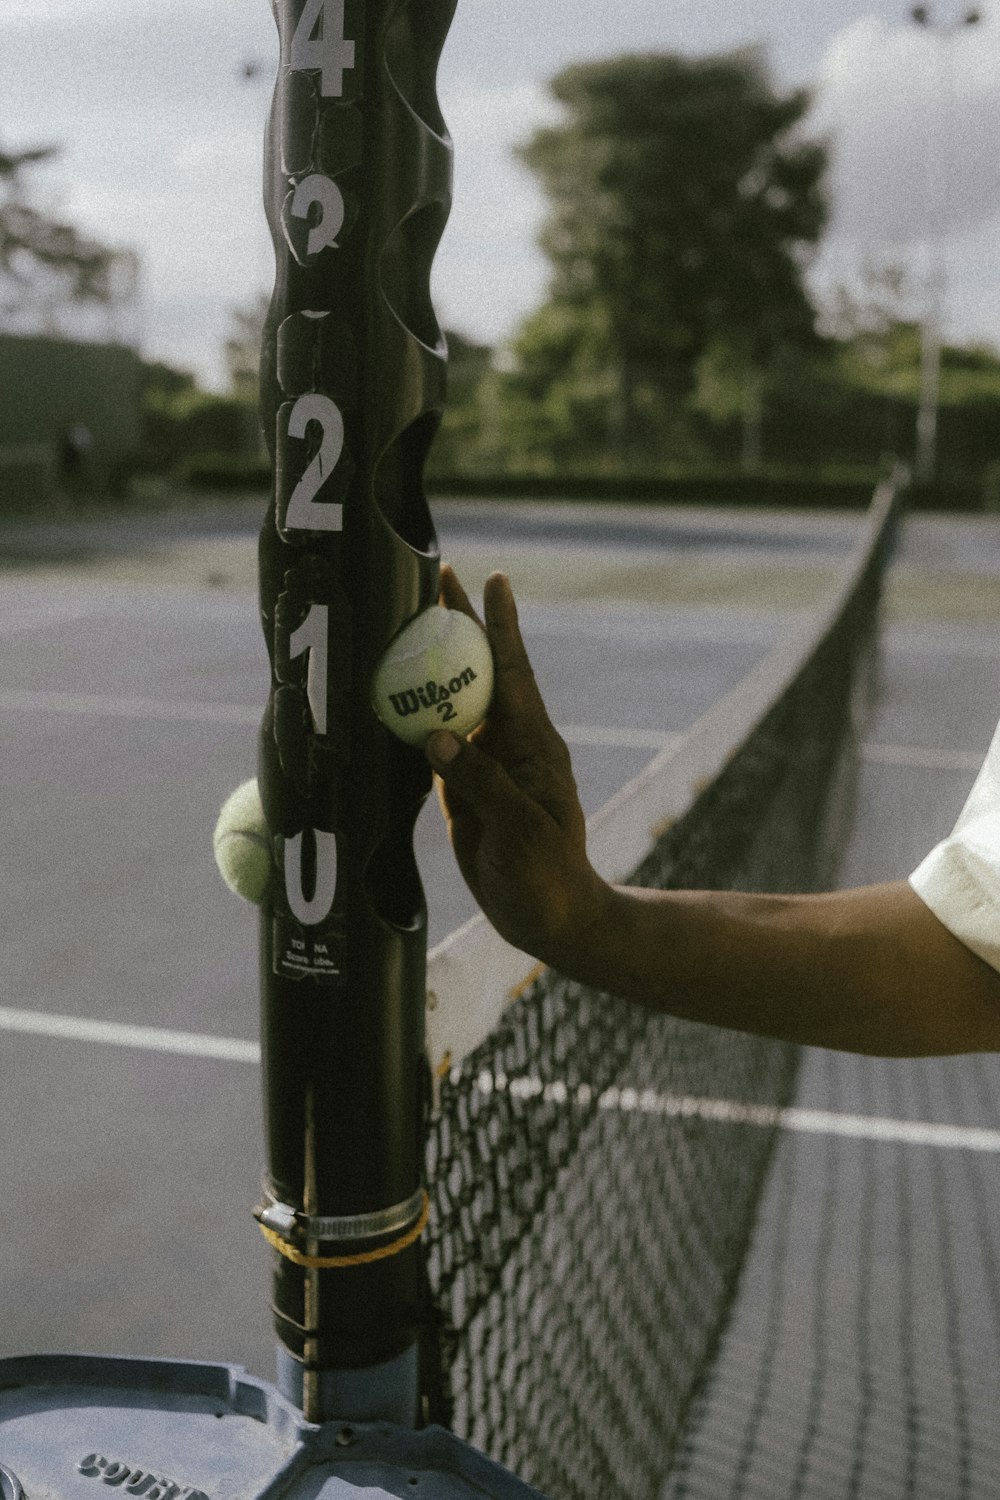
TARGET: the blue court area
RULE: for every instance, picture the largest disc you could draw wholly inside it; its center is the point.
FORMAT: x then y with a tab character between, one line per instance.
129	702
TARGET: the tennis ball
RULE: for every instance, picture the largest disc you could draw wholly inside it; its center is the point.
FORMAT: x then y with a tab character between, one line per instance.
242	844
436	674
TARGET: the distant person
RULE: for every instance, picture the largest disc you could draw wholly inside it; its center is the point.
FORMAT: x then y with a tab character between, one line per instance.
903	969
75	445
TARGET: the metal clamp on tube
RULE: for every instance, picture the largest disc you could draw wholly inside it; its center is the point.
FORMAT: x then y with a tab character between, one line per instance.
346	1241
358	183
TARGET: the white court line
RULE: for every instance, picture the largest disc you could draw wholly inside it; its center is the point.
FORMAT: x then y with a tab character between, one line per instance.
734	1112
621	1100
118	1034
922	759
642	625
38	617
619	739
23	700
96	705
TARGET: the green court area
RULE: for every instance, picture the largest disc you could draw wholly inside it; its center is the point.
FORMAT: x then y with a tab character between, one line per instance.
946	568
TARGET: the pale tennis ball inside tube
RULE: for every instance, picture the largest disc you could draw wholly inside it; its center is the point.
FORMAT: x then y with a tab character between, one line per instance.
242	843
437	673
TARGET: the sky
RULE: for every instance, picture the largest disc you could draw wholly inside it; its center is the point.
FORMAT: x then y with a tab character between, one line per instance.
162	141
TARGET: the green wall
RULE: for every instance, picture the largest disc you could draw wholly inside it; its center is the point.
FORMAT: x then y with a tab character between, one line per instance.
48	385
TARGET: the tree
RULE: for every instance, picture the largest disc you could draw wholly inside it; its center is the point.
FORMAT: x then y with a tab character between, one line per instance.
684	207
465	435
45	264
243	346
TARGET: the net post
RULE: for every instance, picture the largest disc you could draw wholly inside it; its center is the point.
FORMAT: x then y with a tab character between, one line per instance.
357	191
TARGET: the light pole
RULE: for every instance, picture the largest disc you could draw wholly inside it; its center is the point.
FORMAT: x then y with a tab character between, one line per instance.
931	334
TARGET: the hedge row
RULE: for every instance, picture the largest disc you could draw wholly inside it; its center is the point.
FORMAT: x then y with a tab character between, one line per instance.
222	472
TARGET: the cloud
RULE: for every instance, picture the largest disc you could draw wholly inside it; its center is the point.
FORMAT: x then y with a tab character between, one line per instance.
488	275
44	12
205	247
163	139
913	119
162	147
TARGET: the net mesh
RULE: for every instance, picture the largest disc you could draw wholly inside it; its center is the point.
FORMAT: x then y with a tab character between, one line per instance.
861	1359
588	1222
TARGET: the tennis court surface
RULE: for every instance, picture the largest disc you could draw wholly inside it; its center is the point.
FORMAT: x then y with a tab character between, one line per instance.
862	1355
855	1354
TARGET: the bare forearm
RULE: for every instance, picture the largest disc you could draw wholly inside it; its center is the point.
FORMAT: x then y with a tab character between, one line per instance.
868	970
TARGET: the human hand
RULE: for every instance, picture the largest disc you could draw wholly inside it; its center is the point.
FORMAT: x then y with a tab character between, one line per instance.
510	801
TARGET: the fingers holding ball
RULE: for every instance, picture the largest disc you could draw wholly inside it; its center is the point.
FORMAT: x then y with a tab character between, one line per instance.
437	673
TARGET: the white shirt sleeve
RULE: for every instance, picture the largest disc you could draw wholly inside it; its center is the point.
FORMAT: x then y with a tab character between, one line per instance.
960	879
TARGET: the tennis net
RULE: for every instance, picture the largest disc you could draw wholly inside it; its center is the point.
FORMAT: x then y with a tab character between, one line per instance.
589	1219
